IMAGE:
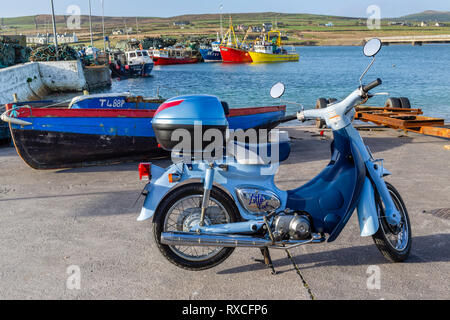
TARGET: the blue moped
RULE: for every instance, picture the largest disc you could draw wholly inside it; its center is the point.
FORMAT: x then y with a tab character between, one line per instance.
202	210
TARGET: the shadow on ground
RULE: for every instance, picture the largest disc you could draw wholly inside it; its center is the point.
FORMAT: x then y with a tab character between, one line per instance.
116	167
313	150
360	255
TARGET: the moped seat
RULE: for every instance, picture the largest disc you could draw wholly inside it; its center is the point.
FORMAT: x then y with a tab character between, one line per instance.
261	153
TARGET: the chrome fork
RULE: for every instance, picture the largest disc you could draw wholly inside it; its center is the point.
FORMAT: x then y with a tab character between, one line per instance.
207	186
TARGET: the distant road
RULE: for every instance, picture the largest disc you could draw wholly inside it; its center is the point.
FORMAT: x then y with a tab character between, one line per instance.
415	40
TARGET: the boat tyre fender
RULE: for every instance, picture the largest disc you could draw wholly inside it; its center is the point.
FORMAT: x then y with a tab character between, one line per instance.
393	103
405	103
321	103
332	100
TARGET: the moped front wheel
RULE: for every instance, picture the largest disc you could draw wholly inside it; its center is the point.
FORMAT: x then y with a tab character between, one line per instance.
394	242
181	210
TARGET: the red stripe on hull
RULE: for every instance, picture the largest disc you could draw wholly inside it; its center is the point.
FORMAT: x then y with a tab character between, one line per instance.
25	112
254	110
83	113
167	61
234	55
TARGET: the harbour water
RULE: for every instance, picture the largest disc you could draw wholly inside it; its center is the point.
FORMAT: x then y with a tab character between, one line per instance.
421	73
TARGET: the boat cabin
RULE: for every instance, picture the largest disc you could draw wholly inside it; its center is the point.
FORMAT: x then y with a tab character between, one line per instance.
138	57
170	53
263	48
215	46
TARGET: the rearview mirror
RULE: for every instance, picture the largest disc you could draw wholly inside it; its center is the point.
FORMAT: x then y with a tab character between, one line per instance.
277	90
372	47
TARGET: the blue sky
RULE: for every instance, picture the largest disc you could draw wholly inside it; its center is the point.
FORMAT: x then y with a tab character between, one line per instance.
355	8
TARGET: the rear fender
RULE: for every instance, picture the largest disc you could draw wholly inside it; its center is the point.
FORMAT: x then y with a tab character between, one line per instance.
159	187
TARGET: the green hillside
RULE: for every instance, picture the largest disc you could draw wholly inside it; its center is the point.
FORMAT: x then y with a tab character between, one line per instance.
429	15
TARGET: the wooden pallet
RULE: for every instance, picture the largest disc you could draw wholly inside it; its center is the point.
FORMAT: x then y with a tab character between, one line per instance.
404	119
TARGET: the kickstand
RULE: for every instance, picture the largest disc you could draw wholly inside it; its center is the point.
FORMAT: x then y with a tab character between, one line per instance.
267	260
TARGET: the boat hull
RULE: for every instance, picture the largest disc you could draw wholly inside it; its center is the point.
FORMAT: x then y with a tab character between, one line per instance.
66	138
233	55
131	71
210	55
168	61
56	150
258	57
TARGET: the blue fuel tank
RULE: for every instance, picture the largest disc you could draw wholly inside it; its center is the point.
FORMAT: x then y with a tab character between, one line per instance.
201	112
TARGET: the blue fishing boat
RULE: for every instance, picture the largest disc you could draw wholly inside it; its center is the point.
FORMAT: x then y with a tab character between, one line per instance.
95	129
211	53
115	101
135	63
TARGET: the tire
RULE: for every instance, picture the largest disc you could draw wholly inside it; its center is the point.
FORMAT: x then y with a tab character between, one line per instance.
332	100
381	238
393	103
321	103
185	193
405	103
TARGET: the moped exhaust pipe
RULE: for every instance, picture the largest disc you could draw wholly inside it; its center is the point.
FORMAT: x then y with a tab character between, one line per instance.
175	238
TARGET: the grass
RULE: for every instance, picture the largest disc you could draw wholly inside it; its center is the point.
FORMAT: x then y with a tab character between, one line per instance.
299	27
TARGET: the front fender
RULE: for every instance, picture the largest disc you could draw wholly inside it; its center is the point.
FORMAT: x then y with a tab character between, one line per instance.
367	212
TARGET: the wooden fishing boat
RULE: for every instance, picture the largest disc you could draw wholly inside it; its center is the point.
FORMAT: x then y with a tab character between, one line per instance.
172	56
235	55
266	50
101	129
211	53
233	51
134	63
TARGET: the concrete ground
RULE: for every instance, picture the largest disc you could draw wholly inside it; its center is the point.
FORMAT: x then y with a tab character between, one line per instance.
51	221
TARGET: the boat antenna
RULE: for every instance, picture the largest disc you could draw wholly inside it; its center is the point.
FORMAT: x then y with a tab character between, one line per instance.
221	29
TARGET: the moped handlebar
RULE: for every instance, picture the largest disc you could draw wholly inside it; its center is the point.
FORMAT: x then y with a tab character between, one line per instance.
337	114
372	85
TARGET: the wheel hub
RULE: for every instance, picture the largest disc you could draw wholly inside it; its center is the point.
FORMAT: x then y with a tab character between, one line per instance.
192	219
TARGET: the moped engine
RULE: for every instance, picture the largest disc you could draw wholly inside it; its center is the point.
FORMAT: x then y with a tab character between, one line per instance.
294	227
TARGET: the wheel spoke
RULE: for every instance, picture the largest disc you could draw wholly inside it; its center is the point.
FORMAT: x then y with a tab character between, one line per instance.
184	214
396	236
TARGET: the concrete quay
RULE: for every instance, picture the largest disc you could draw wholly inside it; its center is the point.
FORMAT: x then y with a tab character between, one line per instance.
54	220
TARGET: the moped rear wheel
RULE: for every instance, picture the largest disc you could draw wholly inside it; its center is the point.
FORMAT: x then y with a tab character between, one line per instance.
394	242
179	211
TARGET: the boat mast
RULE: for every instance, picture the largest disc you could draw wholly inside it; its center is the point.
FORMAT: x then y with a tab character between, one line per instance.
137	28
103	25
126	28
55	37
232	33
90	24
